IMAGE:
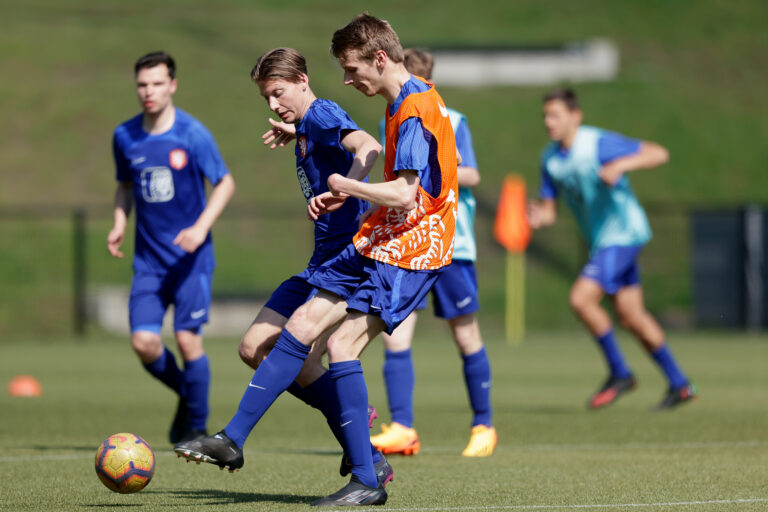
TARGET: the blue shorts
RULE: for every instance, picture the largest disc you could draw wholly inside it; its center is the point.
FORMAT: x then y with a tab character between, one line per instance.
151	294
614	267
374	288
292	293
454	294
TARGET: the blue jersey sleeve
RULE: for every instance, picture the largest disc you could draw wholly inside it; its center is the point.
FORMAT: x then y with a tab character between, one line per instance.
329	123
412	148
207	158
612	145
547	188
382	135
122	170
464	144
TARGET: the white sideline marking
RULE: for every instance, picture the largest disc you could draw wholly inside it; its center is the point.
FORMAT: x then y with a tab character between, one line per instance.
444	449
582	507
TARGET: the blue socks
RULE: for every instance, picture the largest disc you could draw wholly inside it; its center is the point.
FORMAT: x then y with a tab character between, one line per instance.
353	398
613	355
400	379
197	382
192	384
165	370
477	375
321	394
273	376
666	361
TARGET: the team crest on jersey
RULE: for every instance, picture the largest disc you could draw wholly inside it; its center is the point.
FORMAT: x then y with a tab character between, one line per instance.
178	159
302	142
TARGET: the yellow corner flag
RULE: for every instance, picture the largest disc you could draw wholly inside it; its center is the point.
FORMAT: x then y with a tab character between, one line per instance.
512	231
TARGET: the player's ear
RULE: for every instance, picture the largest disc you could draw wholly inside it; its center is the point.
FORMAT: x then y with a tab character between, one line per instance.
380	58
174	85
304	81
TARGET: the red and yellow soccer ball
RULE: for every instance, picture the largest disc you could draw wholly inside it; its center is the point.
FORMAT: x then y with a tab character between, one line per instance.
125	463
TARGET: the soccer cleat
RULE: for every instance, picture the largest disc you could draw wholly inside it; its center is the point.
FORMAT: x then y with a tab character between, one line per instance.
397	438
675	397
179	425
372	415
482	442
354	494
611	390
217	449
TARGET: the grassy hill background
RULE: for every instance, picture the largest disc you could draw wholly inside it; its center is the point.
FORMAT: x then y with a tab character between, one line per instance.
693	77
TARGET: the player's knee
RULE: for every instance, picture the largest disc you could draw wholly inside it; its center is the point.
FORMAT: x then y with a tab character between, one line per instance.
339	349
148	346
577	302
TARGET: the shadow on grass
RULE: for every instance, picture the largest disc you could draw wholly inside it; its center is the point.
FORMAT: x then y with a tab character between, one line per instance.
218	497
112	505
64	447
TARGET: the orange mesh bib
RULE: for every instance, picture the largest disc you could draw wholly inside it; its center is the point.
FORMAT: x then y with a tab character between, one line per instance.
421	238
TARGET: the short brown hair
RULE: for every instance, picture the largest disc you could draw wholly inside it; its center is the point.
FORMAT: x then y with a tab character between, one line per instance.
565	95
418	62
280	64
367	34
153	59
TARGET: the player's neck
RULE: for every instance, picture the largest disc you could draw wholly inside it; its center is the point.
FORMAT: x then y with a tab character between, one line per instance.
160	122
568	141
393	86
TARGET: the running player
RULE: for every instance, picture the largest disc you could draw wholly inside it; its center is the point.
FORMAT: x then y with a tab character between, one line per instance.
162	157
327	141
455	300
587	166
396	256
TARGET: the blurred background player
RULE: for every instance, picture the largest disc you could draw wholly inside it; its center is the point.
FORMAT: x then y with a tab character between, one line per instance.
455	300
163	156
327	141
587	166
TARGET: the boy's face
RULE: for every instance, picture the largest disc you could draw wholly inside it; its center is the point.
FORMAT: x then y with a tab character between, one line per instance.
286	99
560	121
363	74
155	88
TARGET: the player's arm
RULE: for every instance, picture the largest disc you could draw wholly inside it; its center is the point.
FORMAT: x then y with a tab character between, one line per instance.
192	237
123	204
468	174
366	150
398	193
648	156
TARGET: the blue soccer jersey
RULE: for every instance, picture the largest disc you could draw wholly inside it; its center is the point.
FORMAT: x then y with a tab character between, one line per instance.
608	216
167	173
319	154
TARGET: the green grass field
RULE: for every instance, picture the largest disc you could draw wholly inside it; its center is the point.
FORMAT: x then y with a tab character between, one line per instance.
553	454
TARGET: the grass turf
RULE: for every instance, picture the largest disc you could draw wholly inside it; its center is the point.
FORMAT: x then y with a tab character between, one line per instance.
553	453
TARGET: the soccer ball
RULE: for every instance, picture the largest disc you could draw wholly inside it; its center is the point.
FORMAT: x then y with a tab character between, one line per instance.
125	463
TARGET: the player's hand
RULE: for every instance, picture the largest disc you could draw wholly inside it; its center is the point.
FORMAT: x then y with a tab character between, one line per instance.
367	213
189	239
535	214
611	173
324	203
114	241
279	135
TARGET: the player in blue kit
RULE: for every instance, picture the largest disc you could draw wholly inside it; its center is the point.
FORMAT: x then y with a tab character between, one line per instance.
587	167
375	282
327	141
455	300
163	157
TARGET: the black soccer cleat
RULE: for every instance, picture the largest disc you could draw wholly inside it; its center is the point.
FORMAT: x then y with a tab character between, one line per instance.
354	494
675	397
384	472
613	388
217	449
180	421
